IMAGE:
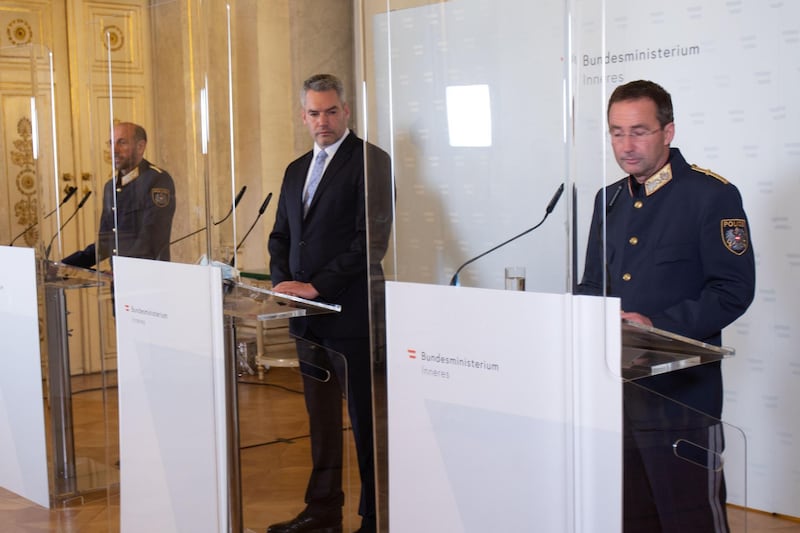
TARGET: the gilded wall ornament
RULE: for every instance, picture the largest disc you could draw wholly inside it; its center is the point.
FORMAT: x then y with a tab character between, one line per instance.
19	32
113	38
26	208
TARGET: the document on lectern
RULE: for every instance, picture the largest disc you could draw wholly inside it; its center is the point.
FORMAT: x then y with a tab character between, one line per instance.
648	351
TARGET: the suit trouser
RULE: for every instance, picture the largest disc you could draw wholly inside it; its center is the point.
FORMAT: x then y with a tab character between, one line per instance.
672	471
333	369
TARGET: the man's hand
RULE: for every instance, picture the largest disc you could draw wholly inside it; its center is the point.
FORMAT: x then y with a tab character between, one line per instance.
296	288
636	317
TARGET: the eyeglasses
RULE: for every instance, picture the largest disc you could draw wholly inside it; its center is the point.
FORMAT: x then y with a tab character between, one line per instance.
636	135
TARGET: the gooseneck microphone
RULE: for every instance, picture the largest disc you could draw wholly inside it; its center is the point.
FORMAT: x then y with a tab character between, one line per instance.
70	193
217	223
614	198
601	232
80	205
235	203
253	225
549	209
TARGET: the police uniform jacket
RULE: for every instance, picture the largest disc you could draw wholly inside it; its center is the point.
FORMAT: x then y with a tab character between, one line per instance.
679	252
144	206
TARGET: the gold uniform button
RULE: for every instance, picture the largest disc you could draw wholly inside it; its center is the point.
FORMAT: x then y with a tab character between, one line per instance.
638	204
634	241
626	277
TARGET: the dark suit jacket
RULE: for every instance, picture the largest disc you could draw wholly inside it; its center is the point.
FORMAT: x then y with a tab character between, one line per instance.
329	247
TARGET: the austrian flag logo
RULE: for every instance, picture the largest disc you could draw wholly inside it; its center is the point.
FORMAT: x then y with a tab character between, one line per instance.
734	235
412	354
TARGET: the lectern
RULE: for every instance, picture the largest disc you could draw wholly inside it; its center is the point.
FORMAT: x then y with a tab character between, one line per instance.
59	278
179	427
648	351
249	302
516	415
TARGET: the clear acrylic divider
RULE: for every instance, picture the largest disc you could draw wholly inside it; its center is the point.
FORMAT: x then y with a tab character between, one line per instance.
51	203
470	100
669	442
276	441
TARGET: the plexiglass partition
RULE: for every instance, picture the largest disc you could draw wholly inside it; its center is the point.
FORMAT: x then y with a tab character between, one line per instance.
76	422
488	154
486	110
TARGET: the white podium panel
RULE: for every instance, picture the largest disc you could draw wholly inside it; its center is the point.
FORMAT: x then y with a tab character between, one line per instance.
173	467
501	418
23	455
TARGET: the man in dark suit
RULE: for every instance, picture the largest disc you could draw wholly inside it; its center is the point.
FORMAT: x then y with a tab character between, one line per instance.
138	205
319	250
672	241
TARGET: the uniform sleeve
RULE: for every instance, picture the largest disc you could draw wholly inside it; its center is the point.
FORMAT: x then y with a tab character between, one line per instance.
159	209
592	281
728	264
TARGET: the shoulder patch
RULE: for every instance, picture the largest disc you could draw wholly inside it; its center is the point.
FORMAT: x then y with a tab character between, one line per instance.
734	235
710	173
160	197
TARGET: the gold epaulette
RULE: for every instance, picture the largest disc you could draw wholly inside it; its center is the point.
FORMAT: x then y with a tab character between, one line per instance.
710	173
157	169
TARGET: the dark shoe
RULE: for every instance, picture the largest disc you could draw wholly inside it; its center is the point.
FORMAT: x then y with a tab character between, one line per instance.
308	523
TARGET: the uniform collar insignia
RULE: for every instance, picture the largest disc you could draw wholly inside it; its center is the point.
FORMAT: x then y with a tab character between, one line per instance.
658	180
127	178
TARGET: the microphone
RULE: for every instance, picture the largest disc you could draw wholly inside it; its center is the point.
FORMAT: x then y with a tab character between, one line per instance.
614	198
70	193
260	212
609	207
80	204
195	232
235	203
550	206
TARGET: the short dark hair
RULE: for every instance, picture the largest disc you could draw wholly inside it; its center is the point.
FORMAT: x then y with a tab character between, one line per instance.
139	133
321	83
639	89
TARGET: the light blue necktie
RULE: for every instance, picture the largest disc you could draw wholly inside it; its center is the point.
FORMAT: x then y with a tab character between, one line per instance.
313	180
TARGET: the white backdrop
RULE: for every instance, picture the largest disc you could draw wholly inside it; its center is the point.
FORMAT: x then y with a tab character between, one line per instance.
733	69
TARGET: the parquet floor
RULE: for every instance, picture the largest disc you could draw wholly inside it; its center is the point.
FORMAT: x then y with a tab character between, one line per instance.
274	458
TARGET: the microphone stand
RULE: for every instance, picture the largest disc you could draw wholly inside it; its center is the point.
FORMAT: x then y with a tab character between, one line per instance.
253	225
70	193
548	210
235	203
50	245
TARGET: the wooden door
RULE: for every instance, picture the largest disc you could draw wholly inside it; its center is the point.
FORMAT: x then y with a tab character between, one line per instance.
100	55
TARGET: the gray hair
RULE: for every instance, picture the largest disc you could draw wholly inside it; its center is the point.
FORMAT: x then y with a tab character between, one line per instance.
321	83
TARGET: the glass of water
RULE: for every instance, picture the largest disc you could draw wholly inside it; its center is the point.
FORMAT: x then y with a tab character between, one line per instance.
515	278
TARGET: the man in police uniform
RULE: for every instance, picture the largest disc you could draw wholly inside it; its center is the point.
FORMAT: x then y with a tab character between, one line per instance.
143	198
678	254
